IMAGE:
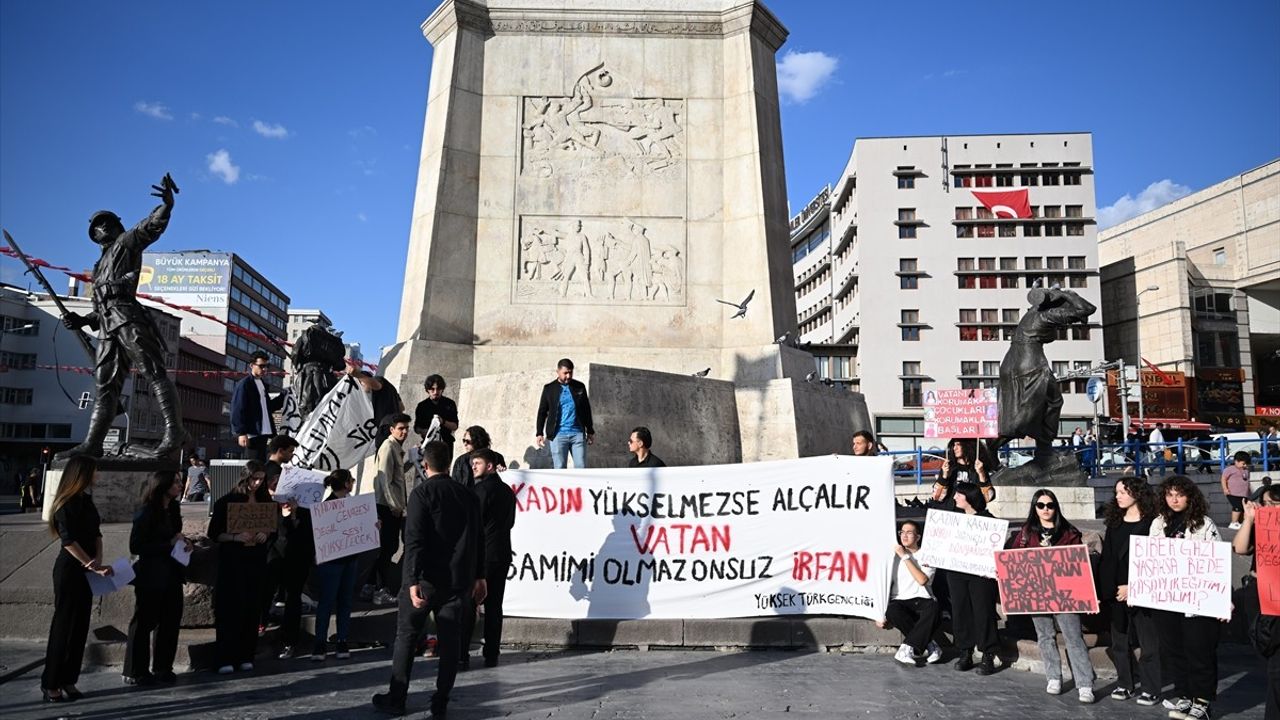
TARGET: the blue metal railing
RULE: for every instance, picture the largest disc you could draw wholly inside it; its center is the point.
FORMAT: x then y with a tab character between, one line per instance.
1178	457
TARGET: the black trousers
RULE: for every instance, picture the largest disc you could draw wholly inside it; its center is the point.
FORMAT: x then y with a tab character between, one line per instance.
917	618
1273	687
72	605
289	574
1191	644
237	603
1133	627
384	572
973	612
256	449
451	613
495	577
158	610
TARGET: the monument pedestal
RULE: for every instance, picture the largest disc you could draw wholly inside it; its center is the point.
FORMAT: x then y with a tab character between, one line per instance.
117	492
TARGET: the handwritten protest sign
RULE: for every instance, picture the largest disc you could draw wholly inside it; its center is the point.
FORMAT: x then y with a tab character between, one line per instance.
961	542
1266	543
961	413
252	517
788	537
304	486
1186	576
344	526
1046	580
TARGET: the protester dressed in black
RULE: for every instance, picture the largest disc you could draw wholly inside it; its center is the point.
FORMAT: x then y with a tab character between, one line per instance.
75	522
289	562
973	597
474	439
157	587
242	562
1129	513
443	574
498	515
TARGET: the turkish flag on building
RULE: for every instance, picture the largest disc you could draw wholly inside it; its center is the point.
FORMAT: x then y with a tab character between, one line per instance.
1011	204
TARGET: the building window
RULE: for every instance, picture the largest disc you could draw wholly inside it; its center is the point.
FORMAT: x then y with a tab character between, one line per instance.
1052	230
1004	180
986	231
1076	262
1219	256
910	322
906	232
1008	230
968	367
911	393
964	231
1080	333
906	214
907	265
1052	211
17	361
1049	178
962	181
983	181
964	213
15	396
1031	229
1075	211
10	325
1078	281
906	182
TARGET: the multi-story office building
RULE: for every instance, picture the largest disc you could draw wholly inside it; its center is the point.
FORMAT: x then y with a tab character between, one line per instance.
206	404
1195	285
914	276
302	318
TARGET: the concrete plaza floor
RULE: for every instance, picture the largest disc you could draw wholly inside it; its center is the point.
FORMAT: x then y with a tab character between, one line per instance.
620	684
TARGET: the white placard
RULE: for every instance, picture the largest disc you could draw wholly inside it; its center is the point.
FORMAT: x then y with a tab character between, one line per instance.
122	574
340	432
789	537
304	486
962	542
1187	576
181	554
344	526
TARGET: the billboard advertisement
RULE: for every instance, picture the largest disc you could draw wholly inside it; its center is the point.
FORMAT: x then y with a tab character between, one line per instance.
195	279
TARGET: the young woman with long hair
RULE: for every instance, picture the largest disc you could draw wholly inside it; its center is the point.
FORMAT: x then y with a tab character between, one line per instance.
1129	513
242	563
1046	527
1190	642
157	530
973	597
74	520
289	564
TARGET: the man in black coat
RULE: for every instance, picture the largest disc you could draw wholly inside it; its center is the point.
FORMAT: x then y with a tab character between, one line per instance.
443	574
564	415
251	409
498	515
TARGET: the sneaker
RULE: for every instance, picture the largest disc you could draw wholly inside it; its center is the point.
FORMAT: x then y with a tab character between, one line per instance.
384	703
935	653
987	666
1234	526
905	655
1086	695
429	646
1121	694
343	651
1199	710
1146	699
318	651
491	662
964	662
288	653
262	630
226	670
382	597
1177	705
143	679
247	666
366	593
1053	687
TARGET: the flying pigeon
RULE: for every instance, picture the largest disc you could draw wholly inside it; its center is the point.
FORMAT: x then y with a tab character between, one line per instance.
702	373
742	307
809	378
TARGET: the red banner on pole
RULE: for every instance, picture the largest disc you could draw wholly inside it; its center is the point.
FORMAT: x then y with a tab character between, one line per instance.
1046	580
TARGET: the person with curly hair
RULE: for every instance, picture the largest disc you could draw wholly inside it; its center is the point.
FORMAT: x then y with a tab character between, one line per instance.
1190	642
1046	527
1129	513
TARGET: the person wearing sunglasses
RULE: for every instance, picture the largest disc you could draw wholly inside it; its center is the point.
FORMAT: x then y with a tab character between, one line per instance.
251	409
912	608
1046	527
474	439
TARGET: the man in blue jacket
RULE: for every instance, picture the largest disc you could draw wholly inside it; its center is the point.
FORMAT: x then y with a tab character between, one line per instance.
564	412
251	409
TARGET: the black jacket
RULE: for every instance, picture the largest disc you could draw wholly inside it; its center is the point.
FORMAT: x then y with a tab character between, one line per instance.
498	514
549	408
246	408
294	540
443	540
461	472
152	541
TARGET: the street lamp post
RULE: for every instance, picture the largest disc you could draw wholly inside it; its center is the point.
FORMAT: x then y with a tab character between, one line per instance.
1142	416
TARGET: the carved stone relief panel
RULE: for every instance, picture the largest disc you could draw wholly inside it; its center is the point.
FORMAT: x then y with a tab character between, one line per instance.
594	133
600	260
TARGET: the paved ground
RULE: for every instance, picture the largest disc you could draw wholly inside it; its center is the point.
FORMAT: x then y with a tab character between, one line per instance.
622	684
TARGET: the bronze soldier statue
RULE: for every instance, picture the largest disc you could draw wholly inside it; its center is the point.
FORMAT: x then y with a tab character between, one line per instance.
317	355
128	336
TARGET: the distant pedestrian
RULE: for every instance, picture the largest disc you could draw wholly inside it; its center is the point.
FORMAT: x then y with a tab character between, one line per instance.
436	417
498	516
197	486
157	530
31	490
443	575
1235	485
639	444
912	608
564	416
251	409
242	563
864	444
1129	514
474	439
75	522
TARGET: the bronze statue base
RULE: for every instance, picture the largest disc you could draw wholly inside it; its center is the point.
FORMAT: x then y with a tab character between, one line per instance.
1061	469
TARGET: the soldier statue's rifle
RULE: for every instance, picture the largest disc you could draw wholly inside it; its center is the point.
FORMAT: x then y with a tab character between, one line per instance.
34	271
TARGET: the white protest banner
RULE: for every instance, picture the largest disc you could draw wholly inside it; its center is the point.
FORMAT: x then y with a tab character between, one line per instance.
962	542
1186	576
340	432
788	537
299	484
344	526
290	415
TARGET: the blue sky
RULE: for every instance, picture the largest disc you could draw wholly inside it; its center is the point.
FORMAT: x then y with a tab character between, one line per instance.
293	128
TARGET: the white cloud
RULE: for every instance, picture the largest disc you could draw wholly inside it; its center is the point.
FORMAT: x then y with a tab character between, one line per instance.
1157	194
224	120
362	217
157	110
363	131
802	74
196	116
275	132
220	164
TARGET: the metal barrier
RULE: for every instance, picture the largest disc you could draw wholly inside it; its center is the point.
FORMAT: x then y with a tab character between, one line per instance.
223	475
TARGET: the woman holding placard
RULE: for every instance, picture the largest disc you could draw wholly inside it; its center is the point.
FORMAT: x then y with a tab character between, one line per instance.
973	597
1129	513
74	520
242	563
337	579
157	532
1190	642
1046	527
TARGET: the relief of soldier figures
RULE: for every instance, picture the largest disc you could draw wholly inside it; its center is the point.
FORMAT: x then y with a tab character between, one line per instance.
598	260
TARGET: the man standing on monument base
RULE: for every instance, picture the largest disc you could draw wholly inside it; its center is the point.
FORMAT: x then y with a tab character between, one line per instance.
128	336
564	412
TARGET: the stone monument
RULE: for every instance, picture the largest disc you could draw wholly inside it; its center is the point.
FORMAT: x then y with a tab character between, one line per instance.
603	180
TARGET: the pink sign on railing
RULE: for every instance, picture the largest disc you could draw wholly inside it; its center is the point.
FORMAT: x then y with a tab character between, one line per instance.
961	413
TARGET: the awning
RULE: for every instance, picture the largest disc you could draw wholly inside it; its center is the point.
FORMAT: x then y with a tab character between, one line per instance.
1150	423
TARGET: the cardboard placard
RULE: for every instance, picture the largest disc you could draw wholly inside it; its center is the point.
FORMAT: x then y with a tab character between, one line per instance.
259	517
1046	580
1186	576
962	542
